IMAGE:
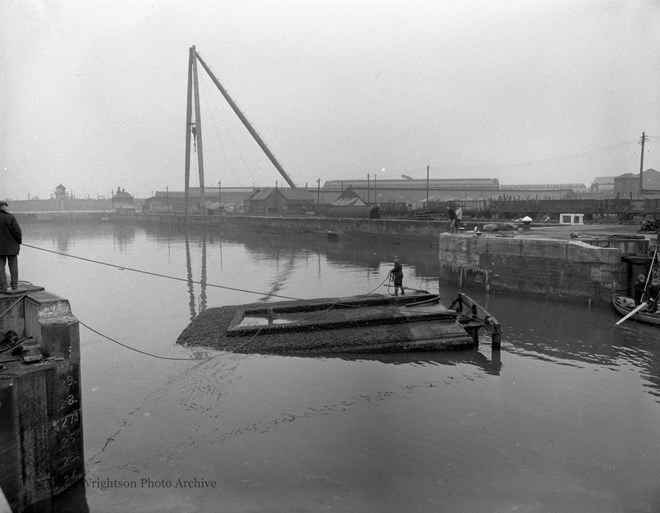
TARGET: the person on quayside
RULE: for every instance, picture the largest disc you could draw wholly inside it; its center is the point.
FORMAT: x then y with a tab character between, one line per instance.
11	239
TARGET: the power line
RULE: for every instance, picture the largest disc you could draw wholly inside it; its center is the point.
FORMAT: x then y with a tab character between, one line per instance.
224	123
540	161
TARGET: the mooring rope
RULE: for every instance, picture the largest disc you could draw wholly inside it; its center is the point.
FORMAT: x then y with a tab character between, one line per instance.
150	273
139	350
99	262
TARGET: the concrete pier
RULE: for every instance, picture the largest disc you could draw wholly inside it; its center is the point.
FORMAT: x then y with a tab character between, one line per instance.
569	270
41	443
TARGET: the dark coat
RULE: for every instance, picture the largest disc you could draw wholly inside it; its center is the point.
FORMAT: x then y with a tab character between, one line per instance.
638	291
397	271
11	236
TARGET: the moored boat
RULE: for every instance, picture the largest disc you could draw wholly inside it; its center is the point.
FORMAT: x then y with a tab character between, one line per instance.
359	324
624	305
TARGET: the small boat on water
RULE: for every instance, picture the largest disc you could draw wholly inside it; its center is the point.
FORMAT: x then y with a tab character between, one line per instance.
372	323
624	305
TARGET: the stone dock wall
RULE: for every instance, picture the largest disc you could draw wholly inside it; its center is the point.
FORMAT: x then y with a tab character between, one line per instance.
41	440
560	269
554	269
342	227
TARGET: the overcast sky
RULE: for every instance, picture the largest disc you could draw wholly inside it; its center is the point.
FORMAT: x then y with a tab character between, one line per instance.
93	93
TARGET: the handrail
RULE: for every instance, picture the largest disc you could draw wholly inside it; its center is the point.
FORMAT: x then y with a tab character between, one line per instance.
480	313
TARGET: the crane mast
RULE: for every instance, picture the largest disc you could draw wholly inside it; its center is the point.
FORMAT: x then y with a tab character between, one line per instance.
195	128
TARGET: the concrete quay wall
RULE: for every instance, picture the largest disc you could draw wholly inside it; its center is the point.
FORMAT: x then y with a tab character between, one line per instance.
422	230
535	267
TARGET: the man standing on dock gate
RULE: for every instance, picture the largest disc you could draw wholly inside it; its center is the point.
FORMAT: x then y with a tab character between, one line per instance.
397	274
11	239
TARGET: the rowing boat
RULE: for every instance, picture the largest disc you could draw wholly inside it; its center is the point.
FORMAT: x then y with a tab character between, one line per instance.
624	305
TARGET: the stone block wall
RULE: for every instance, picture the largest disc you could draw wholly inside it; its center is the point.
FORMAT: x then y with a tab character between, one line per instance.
547	268
355	227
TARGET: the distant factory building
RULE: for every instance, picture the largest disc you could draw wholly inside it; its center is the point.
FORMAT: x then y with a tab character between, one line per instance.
350	205
409	191
626	186
546	191
603	186
349	198
230	198
279	201
415	192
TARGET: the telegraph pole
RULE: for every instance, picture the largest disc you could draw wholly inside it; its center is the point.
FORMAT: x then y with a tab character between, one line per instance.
427	187
641	167
368	190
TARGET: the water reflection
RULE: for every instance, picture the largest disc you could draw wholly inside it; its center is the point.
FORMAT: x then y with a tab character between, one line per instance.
202	296
566	411
477	357
124	235
352	251
280	279
191	284
194	312
62	234
286	262
577	335
564	333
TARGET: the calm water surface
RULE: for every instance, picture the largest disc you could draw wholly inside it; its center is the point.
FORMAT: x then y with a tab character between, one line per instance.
564	418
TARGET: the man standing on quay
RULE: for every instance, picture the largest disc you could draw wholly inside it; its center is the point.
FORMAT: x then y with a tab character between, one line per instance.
11	239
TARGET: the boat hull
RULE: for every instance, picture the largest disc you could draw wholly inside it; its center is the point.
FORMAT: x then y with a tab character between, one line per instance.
624	305
358	324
